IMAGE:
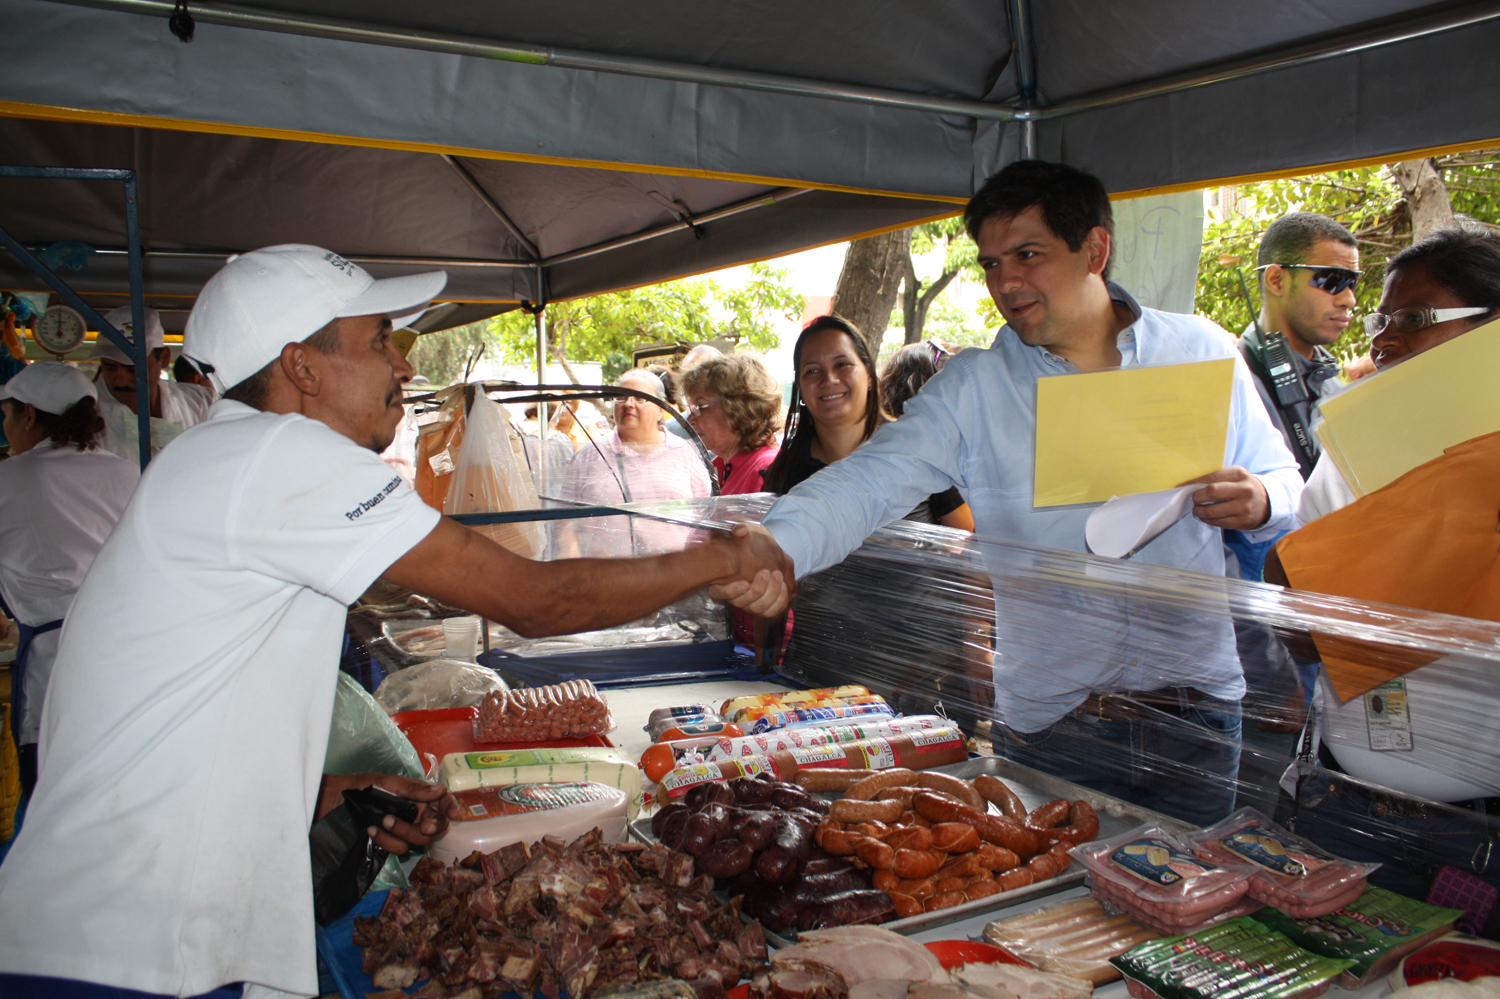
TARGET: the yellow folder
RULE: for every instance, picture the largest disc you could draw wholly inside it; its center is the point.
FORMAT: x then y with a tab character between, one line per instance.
1391	422
1129	430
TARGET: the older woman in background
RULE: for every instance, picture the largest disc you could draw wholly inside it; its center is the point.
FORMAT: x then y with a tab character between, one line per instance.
639	463
734	403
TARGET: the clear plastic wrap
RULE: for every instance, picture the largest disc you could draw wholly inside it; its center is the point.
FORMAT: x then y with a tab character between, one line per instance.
538	714
437	683
1207	677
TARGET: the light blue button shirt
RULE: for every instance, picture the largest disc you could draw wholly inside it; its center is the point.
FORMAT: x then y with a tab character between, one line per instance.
974	426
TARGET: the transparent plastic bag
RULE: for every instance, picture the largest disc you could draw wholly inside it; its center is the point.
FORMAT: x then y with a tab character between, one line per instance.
438	683
491	477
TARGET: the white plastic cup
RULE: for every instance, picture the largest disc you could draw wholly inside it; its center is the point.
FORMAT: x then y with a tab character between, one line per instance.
461	638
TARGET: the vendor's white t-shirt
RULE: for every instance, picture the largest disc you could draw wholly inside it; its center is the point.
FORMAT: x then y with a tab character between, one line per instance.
182	406
57	505
166	847
1435	733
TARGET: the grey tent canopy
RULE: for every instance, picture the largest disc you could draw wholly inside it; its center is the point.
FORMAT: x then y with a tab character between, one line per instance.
544	152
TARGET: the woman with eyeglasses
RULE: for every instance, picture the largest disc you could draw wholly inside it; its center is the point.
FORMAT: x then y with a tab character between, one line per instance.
1438	288
1430	735
734	404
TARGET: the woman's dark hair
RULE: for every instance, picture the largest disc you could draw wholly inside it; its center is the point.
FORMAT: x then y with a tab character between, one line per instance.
669	384
1465	259
1073	202
801	431
79	425
905	372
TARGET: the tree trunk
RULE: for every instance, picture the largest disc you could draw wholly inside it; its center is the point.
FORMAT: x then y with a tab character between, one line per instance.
870	281
557	345
916	300
1426	196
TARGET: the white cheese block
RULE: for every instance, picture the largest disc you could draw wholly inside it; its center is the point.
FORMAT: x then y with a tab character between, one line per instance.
524	813
599	764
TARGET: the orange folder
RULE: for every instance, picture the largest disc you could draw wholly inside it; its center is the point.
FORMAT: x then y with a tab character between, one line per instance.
1428	540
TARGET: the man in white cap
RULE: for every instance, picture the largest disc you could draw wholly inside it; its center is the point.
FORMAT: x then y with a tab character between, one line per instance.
60	496
165	849
175	406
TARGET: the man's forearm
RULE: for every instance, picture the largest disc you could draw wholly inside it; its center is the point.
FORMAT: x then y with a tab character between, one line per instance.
585	594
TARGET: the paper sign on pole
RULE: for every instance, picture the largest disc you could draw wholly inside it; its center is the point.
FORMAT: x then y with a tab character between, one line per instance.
1391	422
1129	430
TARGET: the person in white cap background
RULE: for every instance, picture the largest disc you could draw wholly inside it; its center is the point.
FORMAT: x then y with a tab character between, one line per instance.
165	848
60	496
175	406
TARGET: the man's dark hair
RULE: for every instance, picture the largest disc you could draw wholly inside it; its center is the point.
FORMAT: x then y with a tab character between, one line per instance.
1463	258
1072	202
80	425
1291	238
183	370
252	391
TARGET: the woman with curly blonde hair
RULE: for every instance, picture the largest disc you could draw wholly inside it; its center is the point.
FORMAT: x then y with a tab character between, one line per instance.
734	403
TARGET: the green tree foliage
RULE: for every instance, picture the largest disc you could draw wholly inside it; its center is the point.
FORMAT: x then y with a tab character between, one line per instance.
922	312
1365	200
607	328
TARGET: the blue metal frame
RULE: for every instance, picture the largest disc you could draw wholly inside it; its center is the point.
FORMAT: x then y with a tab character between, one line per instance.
135	346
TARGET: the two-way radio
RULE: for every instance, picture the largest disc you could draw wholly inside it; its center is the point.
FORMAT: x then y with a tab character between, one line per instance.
1276	355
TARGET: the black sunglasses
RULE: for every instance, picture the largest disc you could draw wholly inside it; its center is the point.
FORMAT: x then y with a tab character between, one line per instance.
1333	280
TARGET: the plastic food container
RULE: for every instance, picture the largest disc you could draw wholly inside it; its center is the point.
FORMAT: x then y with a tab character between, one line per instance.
1290	873
499	816
1155	877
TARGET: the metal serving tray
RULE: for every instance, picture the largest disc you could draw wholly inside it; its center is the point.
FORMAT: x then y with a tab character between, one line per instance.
1034	788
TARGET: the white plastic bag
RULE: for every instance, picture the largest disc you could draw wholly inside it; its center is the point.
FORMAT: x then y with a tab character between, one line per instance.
438	683
491	477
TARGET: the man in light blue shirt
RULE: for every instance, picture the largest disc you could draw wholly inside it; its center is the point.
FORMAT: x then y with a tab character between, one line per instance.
1130	697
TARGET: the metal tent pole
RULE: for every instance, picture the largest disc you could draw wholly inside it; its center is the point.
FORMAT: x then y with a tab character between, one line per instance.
138	318
1021	37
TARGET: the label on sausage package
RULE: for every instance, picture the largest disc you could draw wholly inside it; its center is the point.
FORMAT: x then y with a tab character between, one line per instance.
1266	848
1158	862
828	755
878	754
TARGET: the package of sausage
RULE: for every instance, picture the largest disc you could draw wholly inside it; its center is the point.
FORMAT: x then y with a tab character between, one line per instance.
1075	938
747	716
539	714
1377	930
1290	873
1239	958
789	698
1157	875
810	717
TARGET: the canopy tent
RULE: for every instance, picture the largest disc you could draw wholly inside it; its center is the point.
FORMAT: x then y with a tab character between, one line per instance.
529	148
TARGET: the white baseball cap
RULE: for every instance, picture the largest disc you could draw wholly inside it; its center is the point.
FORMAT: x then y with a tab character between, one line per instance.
122	320
50	386
263	300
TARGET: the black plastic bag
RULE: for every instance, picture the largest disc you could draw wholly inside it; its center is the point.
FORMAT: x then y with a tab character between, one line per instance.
345	860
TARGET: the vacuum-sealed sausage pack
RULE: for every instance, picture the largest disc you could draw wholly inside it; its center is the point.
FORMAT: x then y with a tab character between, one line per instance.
1290	873
1154	876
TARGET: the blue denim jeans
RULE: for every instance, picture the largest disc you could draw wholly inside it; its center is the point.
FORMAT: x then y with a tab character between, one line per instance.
1182	763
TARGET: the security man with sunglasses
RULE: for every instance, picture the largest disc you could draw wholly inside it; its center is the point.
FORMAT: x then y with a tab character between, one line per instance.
1308	266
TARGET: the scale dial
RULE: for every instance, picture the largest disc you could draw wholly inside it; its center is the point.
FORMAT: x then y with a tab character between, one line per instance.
59	330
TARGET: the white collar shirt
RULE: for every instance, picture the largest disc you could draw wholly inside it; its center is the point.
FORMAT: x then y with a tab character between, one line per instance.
974	426
182	406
